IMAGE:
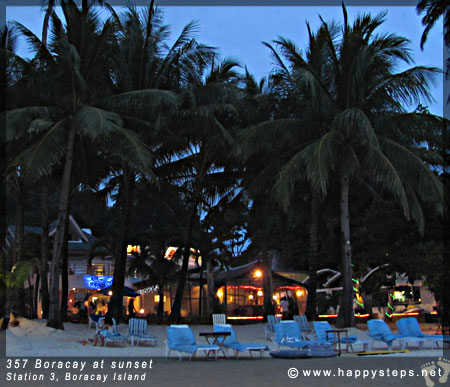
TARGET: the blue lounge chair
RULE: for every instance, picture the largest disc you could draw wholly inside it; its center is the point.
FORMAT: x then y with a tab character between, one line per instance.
380	331
287	334
232	342
137	328
321	328
409	326
303	323
111	337
180	338
269	329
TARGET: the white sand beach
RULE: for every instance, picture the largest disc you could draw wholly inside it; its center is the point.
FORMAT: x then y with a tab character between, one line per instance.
33	339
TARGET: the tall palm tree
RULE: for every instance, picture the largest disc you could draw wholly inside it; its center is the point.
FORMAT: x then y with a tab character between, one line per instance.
143	64
77	76
199	154
364	131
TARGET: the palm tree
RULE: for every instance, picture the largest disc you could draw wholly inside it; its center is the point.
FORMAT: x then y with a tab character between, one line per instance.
145	67
362	131
199	154
368	134
433	10
13	281
77	76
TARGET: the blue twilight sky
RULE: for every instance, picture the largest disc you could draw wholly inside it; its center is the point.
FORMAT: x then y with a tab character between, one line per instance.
239	30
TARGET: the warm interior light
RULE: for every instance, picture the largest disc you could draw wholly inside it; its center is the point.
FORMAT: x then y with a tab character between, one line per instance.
141	311
260	293
94	298
275	297
258	274
110	293
219	293
73	288
250	296
157	298
299	293
70	300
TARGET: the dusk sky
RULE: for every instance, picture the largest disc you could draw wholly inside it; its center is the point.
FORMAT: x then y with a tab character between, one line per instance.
239	30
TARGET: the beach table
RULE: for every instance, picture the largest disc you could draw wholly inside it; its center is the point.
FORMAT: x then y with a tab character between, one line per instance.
338	341
216	338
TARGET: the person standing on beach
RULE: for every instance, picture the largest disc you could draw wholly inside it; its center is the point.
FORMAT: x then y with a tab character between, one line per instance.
131	309
284	305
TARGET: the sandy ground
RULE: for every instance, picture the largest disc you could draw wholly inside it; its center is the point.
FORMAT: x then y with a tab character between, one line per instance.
32	339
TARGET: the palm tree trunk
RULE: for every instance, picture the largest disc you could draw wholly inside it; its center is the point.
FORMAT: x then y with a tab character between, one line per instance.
175	315
44	250
267	279
311	305
21	200
346	316
120	254
36	295
211	286
161	304
54	315
64	272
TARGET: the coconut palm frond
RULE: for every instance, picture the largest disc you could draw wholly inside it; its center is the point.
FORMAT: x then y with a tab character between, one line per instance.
20	121
40	159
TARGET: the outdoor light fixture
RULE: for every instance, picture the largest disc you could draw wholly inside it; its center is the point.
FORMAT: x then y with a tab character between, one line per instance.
141	311
250	297
258	273
275	297
299	293
260	293
94	298
110	293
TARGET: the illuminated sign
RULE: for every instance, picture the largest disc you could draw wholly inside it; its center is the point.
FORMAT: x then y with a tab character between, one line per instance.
97	282
194	261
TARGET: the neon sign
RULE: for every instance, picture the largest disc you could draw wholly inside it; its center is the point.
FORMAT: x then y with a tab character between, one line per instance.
97	282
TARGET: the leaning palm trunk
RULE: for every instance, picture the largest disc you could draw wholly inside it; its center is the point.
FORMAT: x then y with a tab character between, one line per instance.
120	253
311	309
175	315
267	280
21	200
211	286
65	272
54	315
346	317
44	250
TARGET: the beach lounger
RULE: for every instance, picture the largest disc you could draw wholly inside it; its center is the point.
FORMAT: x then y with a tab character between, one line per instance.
304	325
110	337
287	334
409	326
380	331
232	342
269	329
219	318
137	329
321	328
180	338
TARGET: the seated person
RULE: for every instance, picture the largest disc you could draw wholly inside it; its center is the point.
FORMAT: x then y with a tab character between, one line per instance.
107	328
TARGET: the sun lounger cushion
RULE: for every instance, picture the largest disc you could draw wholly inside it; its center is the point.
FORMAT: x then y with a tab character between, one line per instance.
182	339
379	330
233	342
